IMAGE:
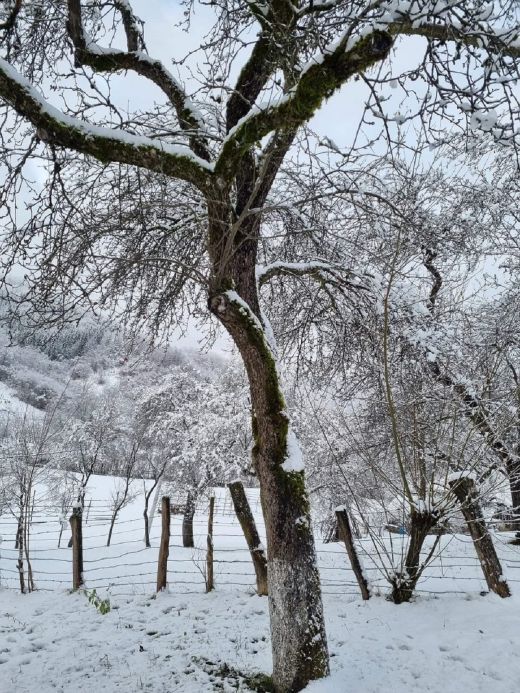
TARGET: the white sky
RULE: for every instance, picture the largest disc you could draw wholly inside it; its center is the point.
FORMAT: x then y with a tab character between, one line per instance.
338	118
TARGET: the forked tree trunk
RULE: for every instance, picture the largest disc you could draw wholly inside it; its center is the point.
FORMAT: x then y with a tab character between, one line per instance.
298	639
466	492
247	522
405	582
187	521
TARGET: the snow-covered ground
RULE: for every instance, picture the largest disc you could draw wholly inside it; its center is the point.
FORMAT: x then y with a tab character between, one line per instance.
450	639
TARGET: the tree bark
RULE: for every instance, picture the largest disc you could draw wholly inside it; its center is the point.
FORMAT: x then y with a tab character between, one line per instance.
298	638
146	528
513	472
112	523
466	492
346	535
187	521
247	522
405	582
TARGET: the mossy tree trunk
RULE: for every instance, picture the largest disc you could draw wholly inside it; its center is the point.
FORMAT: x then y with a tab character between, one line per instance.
297	626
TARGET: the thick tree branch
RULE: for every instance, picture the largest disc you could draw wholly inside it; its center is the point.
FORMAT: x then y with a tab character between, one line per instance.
251	80
134	36
440	32
320	80
88	52
103	143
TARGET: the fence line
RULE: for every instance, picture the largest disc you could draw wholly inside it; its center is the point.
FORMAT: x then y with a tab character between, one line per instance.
116	569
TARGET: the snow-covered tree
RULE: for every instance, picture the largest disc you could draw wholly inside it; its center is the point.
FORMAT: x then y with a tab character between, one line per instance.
181	196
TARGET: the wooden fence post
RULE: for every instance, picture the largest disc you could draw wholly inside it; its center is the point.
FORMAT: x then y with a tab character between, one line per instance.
247	522
164	548
77	547
345	533
466	491
210	583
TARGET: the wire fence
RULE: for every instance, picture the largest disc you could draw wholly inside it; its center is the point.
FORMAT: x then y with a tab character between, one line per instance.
127	567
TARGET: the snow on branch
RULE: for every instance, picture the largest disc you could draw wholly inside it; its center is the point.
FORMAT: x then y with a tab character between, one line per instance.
88	52
507	43
320	80
103	143
356	51
327	272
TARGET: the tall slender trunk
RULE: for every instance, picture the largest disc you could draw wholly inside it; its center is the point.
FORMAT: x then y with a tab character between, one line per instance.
19	564
112	523
513	470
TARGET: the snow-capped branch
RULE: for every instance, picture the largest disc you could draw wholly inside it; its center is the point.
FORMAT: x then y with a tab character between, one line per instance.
320	80
327	272
88	52
103	143
509	44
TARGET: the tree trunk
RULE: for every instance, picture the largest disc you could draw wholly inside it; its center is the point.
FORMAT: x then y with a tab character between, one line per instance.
466	492
19	564
514	484
187	521
405	582
298	639
247	522
112	523
18	538
146	528
346	534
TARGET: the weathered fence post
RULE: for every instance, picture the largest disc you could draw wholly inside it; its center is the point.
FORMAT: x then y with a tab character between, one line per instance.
345	533
247	522
466	492
210	583
164	548
77	546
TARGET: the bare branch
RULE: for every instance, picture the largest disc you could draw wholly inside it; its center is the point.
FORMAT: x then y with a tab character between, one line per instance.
102	143
88	52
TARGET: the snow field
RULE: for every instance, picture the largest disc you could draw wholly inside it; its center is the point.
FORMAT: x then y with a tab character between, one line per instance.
450	639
